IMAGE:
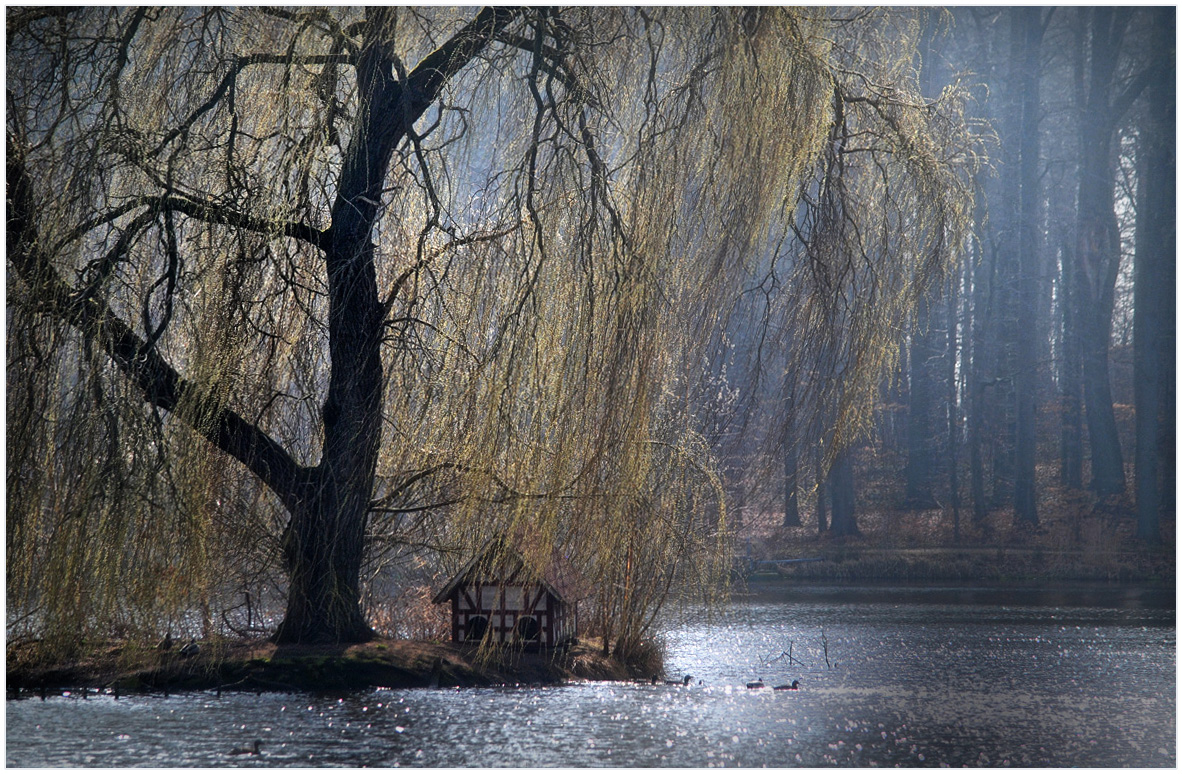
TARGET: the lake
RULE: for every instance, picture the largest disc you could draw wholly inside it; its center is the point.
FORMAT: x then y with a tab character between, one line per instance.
888	676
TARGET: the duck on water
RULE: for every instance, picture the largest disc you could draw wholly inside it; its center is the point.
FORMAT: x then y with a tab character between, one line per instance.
795	685
247	750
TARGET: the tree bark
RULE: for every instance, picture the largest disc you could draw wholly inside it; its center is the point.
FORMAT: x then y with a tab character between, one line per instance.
821	508
1155	245
953	416
1098	251
791	499
921	452
1167	373
841	487
325	540
1070	378
975	421
1028	31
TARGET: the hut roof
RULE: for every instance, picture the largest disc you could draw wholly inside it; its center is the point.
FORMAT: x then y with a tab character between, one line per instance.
558	578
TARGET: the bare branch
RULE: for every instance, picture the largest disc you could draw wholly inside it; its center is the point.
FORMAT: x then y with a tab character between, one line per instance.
138	359
237	66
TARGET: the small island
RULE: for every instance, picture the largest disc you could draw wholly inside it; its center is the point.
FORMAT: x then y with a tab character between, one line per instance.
262	665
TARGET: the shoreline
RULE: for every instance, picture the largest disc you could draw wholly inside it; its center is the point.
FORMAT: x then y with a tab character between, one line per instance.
123	668
996	565
259	665
1122	595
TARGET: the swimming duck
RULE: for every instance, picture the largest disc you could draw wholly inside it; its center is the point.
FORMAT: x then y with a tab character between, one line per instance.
247	750
684	681
192	649
757	684
795	685
166	643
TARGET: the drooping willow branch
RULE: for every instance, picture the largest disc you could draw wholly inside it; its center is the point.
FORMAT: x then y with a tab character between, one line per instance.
239	64
139	360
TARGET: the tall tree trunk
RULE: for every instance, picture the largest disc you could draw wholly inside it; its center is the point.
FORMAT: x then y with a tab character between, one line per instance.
921	453
999	400
1070	377
325	540
989	428
841	488
1028	31
1098	253
1156	240
822	511
1095	328
791	464
976	366
1146	311
953	415
324	543
1167	375
791	500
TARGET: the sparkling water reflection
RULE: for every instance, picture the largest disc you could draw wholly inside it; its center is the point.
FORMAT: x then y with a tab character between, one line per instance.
909	681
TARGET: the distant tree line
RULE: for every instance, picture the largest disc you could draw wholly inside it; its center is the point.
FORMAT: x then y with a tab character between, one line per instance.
1047	356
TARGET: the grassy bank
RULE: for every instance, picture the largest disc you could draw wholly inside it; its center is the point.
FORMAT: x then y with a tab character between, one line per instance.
1079	538
259	665
1000	565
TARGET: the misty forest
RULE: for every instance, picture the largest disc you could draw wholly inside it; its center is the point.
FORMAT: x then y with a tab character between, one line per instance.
305	308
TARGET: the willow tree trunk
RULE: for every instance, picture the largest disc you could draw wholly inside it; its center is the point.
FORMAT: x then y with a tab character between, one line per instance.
325	540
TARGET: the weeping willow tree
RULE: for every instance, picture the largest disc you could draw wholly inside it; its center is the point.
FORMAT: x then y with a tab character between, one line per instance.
878	219
892	186
289	290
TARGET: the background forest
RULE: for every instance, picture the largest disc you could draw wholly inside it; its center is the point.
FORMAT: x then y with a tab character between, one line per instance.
1033	401
306	307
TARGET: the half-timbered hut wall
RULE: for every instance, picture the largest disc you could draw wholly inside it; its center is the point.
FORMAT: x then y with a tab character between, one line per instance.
497	595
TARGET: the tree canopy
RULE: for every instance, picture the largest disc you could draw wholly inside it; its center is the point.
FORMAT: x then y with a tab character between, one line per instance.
295	297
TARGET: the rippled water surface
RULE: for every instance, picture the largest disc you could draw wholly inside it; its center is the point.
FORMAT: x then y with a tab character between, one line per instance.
887	677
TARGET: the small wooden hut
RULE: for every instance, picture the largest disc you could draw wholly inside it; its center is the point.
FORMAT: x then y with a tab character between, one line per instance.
499	595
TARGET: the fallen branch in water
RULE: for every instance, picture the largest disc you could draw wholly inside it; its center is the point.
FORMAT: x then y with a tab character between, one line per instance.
785	654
